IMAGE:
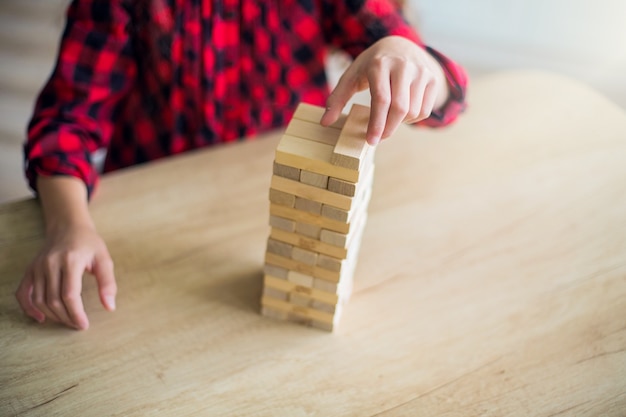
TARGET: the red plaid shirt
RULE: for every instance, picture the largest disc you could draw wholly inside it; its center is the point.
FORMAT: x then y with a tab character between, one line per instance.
150	78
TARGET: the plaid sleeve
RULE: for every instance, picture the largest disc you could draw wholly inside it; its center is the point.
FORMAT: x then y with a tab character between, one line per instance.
74	111
354	25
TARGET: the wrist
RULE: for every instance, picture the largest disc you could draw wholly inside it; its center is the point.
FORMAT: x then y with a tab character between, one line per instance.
61	225
64	203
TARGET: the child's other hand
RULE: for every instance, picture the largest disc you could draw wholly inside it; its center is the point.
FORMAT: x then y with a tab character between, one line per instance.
405	81
52	285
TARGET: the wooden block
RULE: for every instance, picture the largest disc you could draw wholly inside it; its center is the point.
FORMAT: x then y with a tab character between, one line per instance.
318	305
310	192
357	232
302	269
351	145
274	314
276	271
342	187
329	327
302	255
311	156
311	113
286	171
360	207
330	263
308	230
314	179
307	205
302	290
334	238
283	223
326	286
342	240
366	182
274	293
290	287
335	213
344	291
350	189
360	201
299	278
308	243
280	248
299	317
369	158
282	198
304	301
294	215
312	131
298	310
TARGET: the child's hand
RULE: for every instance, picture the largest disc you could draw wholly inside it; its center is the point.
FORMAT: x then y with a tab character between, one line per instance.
405	81
52	285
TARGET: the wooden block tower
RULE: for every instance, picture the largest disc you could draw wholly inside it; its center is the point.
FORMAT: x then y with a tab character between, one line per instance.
319	195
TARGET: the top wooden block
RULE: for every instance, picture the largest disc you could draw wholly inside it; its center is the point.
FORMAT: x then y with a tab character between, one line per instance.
351	145
310	113
308	146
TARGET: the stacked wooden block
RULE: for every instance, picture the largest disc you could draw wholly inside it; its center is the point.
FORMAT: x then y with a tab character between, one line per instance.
319	195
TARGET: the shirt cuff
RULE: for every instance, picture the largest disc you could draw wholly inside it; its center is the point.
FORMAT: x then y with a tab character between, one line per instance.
457	83
67	166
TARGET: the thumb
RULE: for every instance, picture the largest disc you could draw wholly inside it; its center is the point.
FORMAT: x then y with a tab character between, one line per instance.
343	91
107	288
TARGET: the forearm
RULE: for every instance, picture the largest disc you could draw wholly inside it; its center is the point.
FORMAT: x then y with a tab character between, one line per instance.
64	202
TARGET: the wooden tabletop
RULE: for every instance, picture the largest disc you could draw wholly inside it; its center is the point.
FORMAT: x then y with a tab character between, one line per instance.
491	280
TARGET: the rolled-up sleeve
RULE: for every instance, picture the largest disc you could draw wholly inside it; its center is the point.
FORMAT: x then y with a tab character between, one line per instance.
73	115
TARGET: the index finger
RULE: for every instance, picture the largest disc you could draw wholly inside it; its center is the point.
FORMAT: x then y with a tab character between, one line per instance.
380	87
343	91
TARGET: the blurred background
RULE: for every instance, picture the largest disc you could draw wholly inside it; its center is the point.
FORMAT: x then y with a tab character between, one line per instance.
583	39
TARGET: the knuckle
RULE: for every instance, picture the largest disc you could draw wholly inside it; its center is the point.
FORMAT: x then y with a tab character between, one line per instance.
399	107
413	114
47	263
69	258
412	118
424	114
55	304
39	302
69	297
381	100
379	60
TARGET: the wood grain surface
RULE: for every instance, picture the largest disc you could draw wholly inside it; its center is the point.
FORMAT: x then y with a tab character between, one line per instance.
491	281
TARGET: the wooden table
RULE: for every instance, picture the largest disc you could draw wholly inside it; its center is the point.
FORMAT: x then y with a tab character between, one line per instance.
492	280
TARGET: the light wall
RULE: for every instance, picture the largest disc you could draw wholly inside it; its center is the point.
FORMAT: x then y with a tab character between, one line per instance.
581	38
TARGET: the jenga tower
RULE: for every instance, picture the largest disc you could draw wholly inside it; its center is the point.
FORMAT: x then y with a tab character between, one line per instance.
319	195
